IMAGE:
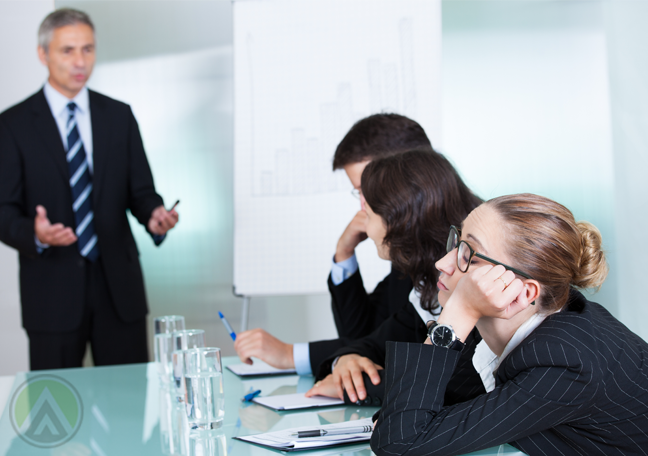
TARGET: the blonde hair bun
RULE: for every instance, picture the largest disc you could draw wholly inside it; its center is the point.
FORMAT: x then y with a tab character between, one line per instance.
593	266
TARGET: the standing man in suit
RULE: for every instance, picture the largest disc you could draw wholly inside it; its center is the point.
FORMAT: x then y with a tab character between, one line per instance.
72	163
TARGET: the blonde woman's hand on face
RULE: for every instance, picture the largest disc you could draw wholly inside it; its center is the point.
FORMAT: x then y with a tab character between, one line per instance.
490	291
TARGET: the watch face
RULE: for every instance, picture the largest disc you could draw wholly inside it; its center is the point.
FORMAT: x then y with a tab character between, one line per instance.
442	336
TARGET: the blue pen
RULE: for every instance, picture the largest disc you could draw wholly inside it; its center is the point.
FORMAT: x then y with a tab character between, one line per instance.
249	397
227	325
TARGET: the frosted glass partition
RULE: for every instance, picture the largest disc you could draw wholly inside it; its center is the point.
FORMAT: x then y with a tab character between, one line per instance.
526	106
628	62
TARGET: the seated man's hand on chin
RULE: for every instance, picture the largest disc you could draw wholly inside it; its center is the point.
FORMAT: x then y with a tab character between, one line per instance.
347	375
260	344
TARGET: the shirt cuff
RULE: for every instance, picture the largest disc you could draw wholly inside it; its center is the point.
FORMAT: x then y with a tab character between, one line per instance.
343	270
39	245
301	356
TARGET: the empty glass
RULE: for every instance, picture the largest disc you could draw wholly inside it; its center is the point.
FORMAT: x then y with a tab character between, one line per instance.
183	340
164	328
205	401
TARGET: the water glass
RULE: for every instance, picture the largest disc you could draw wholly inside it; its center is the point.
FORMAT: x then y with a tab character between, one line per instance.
205	400
207	443
174	427
169	324
163	343
183	340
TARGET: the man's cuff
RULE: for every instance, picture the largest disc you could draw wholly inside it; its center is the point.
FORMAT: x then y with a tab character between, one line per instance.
301	356
39	245
158	238
343	270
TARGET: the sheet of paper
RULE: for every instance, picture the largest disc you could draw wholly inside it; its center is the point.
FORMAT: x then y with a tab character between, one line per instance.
295	401
287	441
258	368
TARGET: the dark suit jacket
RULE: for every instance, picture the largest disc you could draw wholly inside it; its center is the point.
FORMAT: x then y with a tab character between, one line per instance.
357	313
577	385
33	171
406	325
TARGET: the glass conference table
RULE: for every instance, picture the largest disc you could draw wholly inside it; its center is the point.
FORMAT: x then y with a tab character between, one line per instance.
123	410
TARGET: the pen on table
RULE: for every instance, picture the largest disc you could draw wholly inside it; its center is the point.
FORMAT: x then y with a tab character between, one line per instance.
227	325
323	432
252	395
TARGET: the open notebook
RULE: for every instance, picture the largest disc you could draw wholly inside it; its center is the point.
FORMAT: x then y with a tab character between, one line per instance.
295	401
258	368
286	441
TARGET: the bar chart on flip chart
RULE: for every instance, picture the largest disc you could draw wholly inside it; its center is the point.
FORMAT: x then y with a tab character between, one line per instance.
304	73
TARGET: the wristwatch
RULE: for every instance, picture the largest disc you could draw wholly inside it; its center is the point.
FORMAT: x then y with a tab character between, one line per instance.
444	336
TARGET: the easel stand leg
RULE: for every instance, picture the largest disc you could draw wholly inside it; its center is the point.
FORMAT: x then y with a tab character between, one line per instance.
245	313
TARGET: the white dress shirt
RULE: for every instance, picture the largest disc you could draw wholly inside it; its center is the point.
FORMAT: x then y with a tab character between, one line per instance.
486	362
58	105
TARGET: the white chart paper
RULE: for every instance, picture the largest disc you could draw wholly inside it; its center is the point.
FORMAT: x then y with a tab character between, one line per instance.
305	71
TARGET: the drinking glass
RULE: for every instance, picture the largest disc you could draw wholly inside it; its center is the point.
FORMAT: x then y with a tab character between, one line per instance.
164	328
174	427
169	324
183	340
205	400
207	443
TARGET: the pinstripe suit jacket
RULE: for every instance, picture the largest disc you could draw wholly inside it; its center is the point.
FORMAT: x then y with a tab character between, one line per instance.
577	385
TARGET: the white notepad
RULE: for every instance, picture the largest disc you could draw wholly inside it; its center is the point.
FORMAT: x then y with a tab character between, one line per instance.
296	401
258	368
286	441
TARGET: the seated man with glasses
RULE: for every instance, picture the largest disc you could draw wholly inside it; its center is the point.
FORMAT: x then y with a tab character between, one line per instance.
356	312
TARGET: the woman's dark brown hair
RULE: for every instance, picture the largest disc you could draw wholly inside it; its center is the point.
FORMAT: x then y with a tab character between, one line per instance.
419	195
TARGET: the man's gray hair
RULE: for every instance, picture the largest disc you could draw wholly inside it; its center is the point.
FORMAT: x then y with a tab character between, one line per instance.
57	19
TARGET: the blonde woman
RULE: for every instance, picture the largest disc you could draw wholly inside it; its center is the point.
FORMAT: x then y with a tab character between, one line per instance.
562	375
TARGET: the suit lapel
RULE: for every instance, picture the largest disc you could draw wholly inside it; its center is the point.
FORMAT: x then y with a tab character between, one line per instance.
100	135
48	133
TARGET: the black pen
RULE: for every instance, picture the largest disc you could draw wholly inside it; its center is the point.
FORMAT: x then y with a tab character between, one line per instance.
174	205
343	431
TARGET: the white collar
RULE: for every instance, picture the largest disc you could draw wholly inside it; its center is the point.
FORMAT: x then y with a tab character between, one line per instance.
486	362
58	102
415	299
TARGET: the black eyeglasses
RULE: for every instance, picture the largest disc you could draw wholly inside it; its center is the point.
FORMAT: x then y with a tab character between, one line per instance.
465	253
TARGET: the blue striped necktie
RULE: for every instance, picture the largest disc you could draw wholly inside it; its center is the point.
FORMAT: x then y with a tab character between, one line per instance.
81	185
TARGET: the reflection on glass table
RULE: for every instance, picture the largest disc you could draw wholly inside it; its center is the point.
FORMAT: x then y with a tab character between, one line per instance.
125	410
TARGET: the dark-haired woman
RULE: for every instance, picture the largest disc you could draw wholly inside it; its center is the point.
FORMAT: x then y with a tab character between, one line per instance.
562	375
411	200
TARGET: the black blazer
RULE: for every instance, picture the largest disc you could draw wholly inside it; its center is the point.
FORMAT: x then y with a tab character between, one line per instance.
33	171
577	385
357	313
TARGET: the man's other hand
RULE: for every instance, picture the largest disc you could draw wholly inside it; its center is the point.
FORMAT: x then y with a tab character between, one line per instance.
354	234
260	344
162	220
55	235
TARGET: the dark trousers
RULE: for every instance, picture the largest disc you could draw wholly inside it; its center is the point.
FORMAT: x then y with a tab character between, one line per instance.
112	340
